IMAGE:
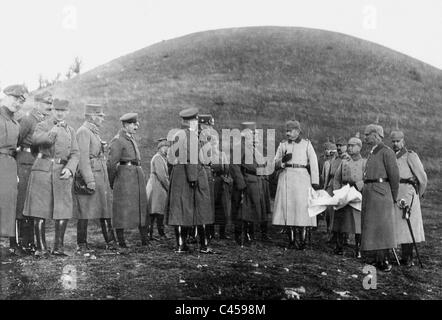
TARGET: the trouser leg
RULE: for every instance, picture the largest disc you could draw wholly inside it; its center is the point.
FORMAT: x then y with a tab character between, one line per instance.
120	238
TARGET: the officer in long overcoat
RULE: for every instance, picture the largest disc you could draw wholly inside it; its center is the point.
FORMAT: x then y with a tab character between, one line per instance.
348	219
9	133
293	157
49	194
157	188
189	195
26	154
412	185
128	182
96	201
381	184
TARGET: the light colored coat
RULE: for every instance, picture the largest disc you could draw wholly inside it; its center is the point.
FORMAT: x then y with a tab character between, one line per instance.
291	201
9	130
48	196
378	213
410	167
158	185
93	168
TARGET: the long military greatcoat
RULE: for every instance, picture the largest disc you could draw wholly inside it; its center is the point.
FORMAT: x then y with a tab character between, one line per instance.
222	190
188	206
49	196
251	205
348	219
291	201
410	167
378	213
128	182
92	167
9	130
158	185
26	155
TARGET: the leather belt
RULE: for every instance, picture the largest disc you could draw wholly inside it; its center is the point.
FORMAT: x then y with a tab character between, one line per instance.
54	160
409	181
8	152
129	163
249	171
25	149
294	165
379	180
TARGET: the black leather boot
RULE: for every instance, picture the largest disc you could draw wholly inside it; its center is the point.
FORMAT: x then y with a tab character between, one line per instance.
144	235
120	237
302	238
27	232
210	232
108	234
407	255
358	254
40	236
180	234
382	261
160	226
60	229
339	248
204	240
264	231
222	232
292	242
82	246
251	231
152	218
248	233
238	230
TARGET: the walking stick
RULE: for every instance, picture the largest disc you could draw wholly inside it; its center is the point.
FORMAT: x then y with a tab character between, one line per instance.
407	212
395	256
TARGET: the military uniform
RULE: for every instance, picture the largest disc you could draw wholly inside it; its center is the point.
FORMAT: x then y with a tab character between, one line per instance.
92	168
49	196
128	182
189	196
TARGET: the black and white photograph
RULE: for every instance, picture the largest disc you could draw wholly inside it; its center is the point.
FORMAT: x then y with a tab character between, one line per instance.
233	152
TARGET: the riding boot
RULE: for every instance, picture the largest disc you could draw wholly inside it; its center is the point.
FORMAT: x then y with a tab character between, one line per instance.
251	231
238	233
264	231
292	243
144	235
26	228
204	239
358	246
160	226
40	235
407	255
382	262
248	233
120	237
302	238
210	229
60	229
82	246
339	249
222	232
180	235
108	234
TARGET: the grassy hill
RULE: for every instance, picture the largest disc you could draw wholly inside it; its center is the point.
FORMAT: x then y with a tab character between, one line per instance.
333	83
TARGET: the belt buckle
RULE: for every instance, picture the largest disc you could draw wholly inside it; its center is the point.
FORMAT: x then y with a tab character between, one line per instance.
381	180
129	163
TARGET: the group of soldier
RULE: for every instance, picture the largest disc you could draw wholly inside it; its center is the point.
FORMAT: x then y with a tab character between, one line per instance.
50	171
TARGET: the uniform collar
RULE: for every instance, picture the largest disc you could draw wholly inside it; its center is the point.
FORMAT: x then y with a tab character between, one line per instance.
401	152
127	135
61	123
377	148
39	116
297	140
91	126
356	157
6	113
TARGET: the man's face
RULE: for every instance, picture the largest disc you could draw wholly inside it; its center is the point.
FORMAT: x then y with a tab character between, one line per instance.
164	149
370	138
353	149
14	103
98	120
292	134
398	144
132	127
342	148
43	108
193	125
59	115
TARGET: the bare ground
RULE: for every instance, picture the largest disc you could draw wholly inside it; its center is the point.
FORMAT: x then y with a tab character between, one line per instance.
262	271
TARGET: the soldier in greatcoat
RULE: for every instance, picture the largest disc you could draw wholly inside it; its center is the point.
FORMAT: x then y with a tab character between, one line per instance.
128	182
26	154
293	157
96	201
381	184
189	195
157	188
348	219
49	194
412	185
9	134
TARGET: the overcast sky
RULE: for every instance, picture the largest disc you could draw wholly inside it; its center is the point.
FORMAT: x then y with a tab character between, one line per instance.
44	36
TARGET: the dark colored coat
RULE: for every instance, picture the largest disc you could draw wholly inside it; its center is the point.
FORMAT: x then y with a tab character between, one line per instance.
188	206
128	183
377	214
26	159
92	167
9	130
48	196
222	191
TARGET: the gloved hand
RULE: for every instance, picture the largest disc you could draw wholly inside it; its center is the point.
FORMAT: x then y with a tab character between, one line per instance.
65	174
316	186
287	157
91	185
